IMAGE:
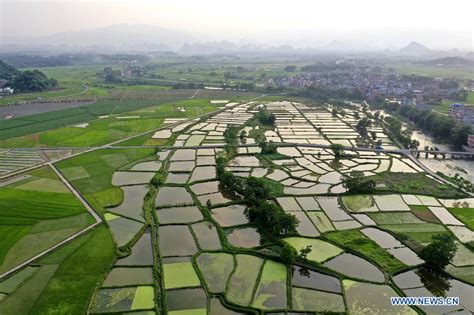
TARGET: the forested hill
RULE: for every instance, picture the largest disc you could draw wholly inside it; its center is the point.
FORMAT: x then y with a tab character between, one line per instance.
26	81
8	72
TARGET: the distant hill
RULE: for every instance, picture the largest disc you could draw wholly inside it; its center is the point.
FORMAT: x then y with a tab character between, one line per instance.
470	55
415	48
208	48
120	37
339	46
336	46
26	81
449	61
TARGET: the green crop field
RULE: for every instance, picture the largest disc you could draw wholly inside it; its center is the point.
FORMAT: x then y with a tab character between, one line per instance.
444	107
72	82
10	235
435	71
67	278
117	125
357	242
413	183
86	81
91	173
466	215
37	212
85	264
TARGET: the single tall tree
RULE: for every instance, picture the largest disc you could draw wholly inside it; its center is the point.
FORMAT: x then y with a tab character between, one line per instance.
440	252
337	149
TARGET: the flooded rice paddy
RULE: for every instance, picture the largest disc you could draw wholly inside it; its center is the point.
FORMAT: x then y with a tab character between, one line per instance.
189	244
194	240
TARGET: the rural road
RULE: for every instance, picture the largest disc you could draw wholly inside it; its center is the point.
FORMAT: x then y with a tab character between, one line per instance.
195	93
47	251
97	218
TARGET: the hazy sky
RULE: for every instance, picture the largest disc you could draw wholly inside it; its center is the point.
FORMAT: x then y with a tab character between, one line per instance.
435	23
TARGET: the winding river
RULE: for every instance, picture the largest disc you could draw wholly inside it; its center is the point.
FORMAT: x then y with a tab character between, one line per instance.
465	168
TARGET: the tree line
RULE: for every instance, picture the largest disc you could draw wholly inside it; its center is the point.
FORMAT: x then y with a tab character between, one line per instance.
440	126
26	81
325	94
270	219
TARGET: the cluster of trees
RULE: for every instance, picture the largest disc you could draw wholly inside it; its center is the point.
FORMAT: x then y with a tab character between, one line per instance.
363	125
31	61
337	149
111	76
461	95
448	84
365	139
265	117
461	182
274	89
289	255
8	72
230	134
324	94
230	137
338	111
27	61
243	136
328	66
267	147
440	126
417	79
220	166
270	219
26	81
357	183
231	76
395	125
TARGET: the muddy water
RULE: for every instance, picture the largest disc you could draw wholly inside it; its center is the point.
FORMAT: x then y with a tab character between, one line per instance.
448	166
303	277
230	215
179	215
206	234
176	240
186	299
246	237
424	282
356	267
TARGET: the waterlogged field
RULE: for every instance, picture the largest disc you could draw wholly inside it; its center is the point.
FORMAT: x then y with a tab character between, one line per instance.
175	239
92	174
